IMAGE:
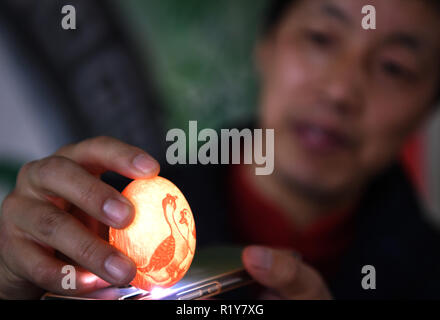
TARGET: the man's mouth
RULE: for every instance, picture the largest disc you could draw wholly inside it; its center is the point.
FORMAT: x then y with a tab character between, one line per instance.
321	139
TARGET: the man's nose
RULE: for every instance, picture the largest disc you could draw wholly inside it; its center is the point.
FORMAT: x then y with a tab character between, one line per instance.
342	87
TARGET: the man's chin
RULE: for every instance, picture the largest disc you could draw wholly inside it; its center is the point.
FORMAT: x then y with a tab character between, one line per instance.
319	188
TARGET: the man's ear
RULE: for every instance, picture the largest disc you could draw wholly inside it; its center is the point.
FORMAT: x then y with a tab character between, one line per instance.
263	56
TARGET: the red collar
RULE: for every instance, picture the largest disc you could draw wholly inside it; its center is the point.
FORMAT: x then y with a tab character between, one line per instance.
257	220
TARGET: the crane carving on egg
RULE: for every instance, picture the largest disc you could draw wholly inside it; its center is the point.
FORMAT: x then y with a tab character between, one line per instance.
176	242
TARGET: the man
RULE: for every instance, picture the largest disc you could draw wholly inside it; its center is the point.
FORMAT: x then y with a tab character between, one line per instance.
342	101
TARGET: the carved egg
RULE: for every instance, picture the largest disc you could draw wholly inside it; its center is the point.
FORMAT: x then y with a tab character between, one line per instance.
161	240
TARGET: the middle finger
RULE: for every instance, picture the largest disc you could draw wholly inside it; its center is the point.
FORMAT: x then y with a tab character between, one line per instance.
61	231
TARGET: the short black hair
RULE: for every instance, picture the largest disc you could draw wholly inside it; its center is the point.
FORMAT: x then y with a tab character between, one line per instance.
275	12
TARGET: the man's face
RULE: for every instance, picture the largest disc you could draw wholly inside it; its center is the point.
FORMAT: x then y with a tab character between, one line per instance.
343	99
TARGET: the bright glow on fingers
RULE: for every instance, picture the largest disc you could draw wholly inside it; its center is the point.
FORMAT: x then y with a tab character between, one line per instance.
90	280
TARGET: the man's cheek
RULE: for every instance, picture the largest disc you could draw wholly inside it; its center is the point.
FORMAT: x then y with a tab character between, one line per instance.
275	109
378	152
293	71
288	96
394	115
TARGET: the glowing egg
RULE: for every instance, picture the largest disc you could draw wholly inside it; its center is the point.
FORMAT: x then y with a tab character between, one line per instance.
162	237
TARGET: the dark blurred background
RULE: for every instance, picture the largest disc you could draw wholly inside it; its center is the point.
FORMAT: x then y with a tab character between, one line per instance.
135	68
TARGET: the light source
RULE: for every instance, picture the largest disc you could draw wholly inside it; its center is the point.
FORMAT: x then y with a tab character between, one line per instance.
161	240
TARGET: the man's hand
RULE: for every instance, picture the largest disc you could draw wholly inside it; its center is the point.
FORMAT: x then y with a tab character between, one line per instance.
284	276
59	204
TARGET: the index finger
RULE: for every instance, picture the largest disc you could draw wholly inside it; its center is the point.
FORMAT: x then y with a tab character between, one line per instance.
102	154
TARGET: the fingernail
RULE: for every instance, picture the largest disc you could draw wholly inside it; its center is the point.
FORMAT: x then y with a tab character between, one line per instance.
144	163
118	266
261	258
116	210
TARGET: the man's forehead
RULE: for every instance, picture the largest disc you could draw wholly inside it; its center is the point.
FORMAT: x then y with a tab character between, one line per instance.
409	12
410	23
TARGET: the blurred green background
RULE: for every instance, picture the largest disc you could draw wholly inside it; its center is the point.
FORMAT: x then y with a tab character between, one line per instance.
202	56
199	53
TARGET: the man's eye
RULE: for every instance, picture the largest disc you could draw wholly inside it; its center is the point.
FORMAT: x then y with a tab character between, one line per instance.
319	38
395	70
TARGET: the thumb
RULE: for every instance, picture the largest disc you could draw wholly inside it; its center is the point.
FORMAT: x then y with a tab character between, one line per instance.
281	272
